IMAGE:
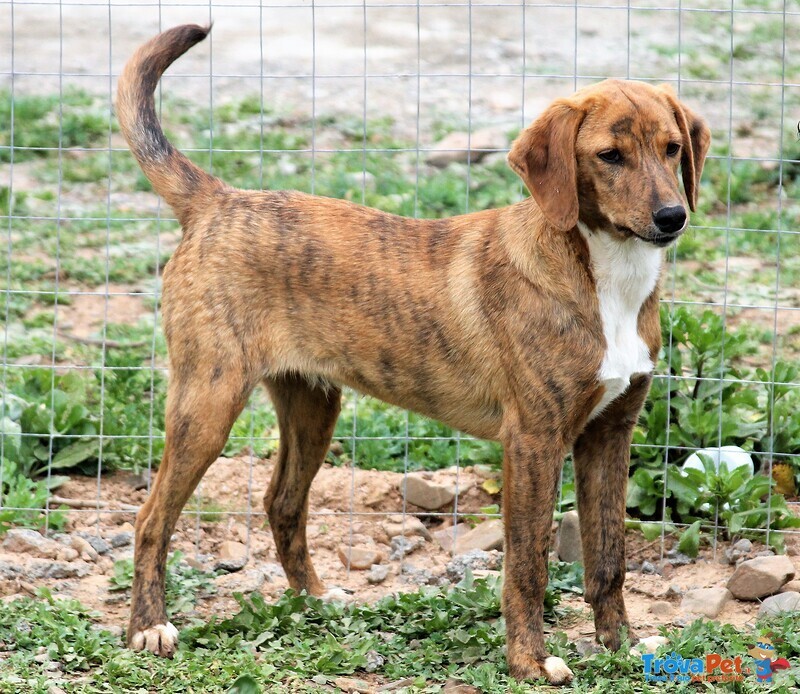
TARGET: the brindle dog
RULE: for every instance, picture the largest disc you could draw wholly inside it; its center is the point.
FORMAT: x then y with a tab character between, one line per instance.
535	325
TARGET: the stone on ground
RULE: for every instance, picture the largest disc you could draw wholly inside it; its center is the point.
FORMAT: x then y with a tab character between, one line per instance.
30	542
446	537
568	538
474	560
486	536
243	582
378	573
705	601
779	604
427	494
397	524
759	577
359	558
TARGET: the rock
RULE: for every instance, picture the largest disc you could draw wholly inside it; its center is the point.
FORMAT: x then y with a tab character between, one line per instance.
230	565
662	608
445	536
232	550
232	556
359	558
273	571
738	551
351	684
791	586
399	525
476	559
401	545
122	539
677	558
756	578
9	571
417	576
705	601
84	548
674	591
244	582
43	568
375	661
67	554
485	472
587	647
648	568
425	493
378	573
463	147
31	542
98	544
568	538
779	604
486	536
114	629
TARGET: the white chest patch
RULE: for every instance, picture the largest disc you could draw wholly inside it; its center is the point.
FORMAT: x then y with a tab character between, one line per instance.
625	274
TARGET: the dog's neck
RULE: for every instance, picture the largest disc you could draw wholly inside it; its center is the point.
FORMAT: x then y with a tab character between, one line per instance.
625	272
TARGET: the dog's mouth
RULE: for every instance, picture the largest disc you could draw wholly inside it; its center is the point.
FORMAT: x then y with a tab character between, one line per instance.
656	238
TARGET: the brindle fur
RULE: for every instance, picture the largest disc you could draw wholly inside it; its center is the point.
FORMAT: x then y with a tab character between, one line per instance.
488	322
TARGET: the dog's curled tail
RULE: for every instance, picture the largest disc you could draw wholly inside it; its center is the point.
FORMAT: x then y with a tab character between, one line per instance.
173	176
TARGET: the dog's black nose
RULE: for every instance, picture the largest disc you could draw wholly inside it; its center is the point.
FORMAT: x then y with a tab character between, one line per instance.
670	220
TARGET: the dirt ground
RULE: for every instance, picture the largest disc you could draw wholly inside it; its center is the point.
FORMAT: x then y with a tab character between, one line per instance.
348	508
387	59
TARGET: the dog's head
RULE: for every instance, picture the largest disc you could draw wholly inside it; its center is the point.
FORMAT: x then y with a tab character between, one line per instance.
609	155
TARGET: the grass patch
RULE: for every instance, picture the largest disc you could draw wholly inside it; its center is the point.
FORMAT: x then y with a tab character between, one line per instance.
302	644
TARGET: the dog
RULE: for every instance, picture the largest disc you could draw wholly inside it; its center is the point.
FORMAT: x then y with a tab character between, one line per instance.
535	325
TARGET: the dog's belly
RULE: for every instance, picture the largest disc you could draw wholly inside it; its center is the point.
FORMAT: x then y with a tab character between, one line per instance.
453	399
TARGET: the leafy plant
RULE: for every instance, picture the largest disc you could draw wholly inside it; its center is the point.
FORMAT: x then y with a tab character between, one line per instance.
734	498
48	426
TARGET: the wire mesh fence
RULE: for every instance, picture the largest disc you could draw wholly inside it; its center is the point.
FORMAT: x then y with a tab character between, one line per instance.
409	107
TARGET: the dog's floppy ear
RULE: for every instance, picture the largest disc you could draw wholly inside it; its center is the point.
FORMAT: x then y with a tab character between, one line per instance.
543	156
696	141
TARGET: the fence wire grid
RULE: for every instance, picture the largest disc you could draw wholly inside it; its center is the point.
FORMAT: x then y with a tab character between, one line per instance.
408	106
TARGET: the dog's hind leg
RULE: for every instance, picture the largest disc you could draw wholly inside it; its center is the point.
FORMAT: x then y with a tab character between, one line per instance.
306	418
201	408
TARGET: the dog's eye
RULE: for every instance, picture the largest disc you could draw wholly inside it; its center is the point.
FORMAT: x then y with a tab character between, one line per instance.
673	148
612	156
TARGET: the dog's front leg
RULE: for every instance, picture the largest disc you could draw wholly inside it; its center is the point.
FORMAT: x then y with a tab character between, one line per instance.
531	474
602	456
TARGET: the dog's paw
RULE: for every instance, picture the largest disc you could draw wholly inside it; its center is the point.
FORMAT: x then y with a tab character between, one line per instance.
556	671
161	639
336	594
553	669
